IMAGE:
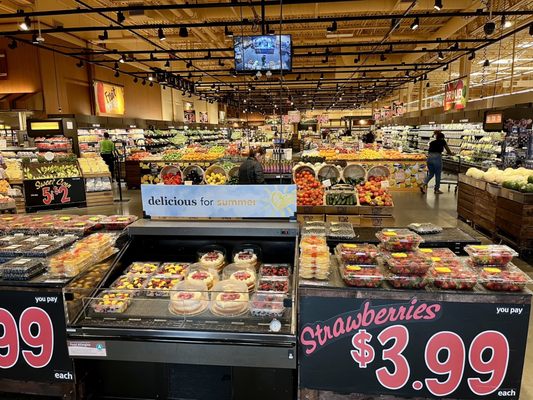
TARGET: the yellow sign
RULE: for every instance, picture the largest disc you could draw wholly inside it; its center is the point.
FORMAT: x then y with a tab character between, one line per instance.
45	126
109	99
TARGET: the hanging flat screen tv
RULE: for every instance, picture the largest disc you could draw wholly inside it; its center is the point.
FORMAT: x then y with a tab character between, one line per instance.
263	53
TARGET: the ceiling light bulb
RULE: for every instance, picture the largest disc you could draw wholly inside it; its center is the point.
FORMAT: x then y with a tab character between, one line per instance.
116	65
121	60
333	27
161	34
440	56
183	32
150	78
415	24
117	74
486	63
438	5
489	28
121	17
26	24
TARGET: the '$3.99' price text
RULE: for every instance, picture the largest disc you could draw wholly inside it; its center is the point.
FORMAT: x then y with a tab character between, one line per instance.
451	366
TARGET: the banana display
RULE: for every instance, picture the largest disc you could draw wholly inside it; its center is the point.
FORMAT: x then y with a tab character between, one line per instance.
50	171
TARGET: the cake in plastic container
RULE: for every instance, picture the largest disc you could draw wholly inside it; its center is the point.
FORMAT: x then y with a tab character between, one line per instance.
242	273
200	273
510	279
69	263
267	305
399	239
118	222
212	256
21	269
493	254
407	263
229	299
189	298
352	253
111	301
369	276
313	240
455	278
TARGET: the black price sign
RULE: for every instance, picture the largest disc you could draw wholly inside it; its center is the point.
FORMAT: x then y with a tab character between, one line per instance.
33	338
413	348
51	193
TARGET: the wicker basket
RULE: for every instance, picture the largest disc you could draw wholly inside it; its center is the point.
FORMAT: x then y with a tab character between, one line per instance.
378	170
189	169
353	174
216	169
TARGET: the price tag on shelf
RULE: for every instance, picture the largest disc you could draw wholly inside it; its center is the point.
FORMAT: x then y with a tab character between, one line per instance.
33	341
326	183
414	347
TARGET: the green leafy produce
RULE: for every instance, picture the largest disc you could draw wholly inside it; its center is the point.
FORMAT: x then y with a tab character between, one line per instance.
530	179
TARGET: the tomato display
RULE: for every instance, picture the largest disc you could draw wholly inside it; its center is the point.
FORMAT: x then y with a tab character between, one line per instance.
371	192
172	179
310	190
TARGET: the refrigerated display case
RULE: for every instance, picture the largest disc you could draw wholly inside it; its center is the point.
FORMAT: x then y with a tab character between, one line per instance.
176	324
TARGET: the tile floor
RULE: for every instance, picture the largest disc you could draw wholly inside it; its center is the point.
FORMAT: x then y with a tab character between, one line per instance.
409	207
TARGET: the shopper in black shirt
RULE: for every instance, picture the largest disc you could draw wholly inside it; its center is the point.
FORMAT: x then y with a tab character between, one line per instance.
251	170
436	147
369	138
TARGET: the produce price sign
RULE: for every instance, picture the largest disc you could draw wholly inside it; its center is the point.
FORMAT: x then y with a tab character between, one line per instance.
412	348
33	343
50	193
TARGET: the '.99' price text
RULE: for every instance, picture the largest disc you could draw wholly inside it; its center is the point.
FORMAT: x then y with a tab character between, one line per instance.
450	365
35	329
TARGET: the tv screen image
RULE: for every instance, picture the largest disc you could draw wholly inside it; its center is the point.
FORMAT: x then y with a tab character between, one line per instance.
263	53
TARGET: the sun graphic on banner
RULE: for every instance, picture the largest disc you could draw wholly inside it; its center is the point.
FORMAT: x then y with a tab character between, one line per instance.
282	199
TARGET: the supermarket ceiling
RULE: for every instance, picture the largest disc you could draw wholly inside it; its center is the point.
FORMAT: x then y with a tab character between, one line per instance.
345	54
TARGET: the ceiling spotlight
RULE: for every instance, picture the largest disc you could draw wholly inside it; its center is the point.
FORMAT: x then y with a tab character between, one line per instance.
356	59
117	74
325	60
26	24
531	29
151	84
227	32
321	76
183	32
150	78
407	74
415	24
455	46
167	64
505	22
80	64
364	74
135	80
34	39
440	56
152	58
208	55
116	65
161	34
221	63
438	5
269	31
189	64
298	77
190	75
104	36
489	28
445	68
486	63
268	74
472	56
382	57
144	82
121	17
121	60
333	27
233	72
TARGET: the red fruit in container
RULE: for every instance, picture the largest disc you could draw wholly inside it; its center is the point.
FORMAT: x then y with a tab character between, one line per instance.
365	254
456	278
407	263
362	276
510	279
493	254
399	239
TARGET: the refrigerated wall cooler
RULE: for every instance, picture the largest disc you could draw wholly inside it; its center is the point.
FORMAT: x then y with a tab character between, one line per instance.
153	328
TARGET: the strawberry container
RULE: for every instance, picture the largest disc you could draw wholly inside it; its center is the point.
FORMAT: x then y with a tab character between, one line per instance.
399	239
455	278
365	254
407	281
494	254
369	276
510	279
267	305
407	263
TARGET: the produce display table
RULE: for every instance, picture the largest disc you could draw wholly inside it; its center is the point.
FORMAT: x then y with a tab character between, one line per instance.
408	343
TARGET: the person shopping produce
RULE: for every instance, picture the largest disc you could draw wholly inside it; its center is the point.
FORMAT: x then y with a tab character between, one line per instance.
251	170
107	147
434	162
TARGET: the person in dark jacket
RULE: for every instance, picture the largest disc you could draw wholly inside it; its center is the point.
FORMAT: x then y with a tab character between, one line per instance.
436	148
251	170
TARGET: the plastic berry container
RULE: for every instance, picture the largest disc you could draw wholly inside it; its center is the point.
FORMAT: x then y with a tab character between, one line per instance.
407	263
111	301
314	269
142	268
362	276
407	281
341	231
118	222
275	270
425	228
510	279
365	254
21	269
173	268
450	263
457	278
131	283
267	305
399	239
229	299
189	298
160	285
438	254
273	284
494	254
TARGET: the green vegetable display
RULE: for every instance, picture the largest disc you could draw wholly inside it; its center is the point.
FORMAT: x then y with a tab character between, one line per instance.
341	199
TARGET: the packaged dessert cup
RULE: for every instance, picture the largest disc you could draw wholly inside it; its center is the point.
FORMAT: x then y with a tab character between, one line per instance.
510	279
313	240
398	240
229	299
142	268
493	254
118	222
407	281
200	273
212	256
365	254
247	254
241	273
111	301
160	285
267	305
455	278
406	263
173	268
275	270
69	263
189	298
273	284
369	276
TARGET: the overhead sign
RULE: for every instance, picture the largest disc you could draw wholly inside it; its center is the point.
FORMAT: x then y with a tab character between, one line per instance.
212	201
294	117
413	348
109	99
455	95
33	341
